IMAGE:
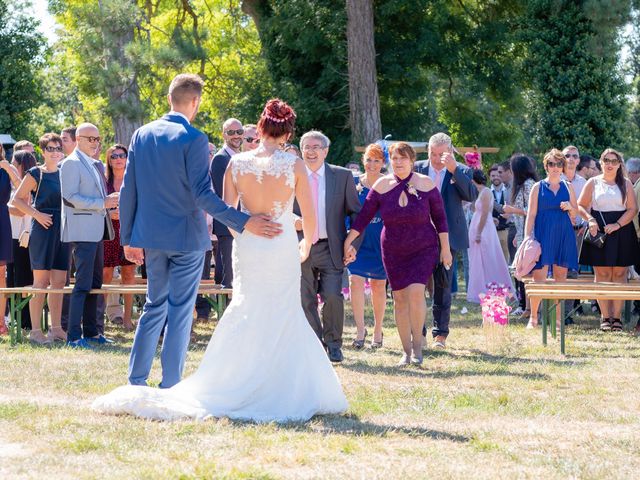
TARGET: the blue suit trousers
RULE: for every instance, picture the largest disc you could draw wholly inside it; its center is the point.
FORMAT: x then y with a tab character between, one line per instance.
173	279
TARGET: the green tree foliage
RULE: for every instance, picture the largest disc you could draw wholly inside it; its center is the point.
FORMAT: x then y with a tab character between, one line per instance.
210	37
577	90
23	55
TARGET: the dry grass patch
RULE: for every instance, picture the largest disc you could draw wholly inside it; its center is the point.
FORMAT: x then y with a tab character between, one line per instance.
480	409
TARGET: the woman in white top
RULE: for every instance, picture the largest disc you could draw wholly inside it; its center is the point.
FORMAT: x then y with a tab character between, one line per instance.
608	203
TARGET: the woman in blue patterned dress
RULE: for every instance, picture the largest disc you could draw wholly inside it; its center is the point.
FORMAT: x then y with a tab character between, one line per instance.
368	263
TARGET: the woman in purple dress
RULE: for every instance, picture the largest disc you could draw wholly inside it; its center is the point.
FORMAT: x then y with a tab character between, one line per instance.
415	226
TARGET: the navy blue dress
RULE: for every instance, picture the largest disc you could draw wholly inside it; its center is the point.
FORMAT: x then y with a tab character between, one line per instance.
368	262
553	229
46	250
6	249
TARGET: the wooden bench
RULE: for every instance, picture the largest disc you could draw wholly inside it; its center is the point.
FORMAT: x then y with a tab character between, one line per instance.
216	295
550	291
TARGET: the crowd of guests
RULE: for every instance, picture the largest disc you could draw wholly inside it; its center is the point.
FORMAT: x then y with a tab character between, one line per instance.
393	221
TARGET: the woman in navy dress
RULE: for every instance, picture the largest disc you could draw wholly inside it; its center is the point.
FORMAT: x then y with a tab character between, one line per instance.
8	175
368	263
415	227
49	256
552	208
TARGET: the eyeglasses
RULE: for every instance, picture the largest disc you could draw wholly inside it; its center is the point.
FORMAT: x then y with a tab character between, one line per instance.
571	155
314	148
53	149
252	139
555	164
231	133
91	139
115	156
612	161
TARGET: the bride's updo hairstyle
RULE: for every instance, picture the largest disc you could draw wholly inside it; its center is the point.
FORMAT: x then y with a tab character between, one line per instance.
277	119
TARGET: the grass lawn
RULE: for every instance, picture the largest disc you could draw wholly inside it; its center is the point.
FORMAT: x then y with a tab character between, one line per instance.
481	409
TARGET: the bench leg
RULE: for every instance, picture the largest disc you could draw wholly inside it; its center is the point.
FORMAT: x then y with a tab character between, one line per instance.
627	312
544	322
562	326
13	333
551	308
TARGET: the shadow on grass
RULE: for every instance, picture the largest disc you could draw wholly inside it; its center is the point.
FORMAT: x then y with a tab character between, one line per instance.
424	372
352	425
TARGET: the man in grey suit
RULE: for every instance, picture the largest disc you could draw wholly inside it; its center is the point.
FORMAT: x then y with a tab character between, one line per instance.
455	184
335	197
84	216
166	188
232	132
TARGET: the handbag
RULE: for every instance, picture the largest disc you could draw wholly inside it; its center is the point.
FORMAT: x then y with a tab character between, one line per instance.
109	232
598	239
25	235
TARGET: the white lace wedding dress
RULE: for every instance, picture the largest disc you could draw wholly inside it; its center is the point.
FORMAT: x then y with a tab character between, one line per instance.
264	362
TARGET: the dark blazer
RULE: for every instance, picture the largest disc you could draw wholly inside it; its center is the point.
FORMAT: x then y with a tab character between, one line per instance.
341	200
456	188
167	186
218	168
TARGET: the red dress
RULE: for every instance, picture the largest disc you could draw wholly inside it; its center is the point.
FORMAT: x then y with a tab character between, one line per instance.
113	251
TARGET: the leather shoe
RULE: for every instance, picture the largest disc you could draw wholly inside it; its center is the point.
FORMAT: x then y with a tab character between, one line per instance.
335	353
100	340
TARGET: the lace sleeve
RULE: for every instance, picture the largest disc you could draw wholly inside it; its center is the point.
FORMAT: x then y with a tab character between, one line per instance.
438	214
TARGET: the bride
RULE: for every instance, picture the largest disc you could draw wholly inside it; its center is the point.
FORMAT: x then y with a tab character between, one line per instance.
264	362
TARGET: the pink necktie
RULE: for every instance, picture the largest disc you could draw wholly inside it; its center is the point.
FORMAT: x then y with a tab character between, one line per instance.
314	192
438	183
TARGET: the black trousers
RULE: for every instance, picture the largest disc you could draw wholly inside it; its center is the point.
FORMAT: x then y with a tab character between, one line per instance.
89	261
224	269
19	274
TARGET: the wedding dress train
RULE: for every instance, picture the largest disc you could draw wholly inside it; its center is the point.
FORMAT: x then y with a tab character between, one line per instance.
264	362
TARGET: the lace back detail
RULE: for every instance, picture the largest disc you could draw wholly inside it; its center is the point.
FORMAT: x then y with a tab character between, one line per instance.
277	165
280	163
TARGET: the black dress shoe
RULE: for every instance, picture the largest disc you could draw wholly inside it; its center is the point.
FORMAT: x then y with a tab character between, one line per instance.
335	354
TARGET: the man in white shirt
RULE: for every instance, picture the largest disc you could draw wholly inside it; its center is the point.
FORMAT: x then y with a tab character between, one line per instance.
500	197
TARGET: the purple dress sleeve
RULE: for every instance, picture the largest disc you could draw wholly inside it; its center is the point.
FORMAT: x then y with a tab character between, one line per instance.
438	215
369	209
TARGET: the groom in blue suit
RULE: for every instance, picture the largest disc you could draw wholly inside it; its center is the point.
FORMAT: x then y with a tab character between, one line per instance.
166	187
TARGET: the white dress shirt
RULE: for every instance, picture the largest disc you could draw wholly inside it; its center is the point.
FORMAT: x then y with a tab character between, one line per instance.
322	193
173	112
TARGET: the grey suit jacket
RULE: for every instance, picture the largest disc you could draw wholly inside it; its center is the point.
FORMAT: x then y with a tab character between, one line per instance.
456	188
341	201
83	194
218	168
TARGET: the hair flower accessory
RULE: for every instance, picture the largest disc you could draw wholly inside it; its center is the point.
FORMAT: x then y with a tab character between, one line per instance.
474	158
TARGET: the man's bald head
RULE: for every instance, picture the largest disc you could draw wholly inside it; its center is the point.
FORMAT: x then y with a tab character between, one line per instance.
88	138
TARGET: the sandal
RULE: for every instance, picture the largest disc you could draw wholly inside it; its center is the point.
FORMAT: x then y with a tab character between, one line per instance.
605	324
616	325
375	344
359	344
57	333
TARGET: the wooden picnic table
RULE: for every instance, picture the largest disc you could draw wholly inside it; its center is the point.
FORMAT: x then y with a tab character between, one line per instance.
216	295
551	291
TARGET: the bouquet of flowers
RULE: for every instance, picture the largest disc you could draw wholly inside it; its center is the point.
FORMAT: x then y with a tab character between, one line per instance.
495	310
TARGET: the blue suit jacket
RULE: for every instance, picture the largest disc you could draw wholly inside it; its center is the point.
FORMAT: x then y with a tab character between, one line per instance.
456	188
166	188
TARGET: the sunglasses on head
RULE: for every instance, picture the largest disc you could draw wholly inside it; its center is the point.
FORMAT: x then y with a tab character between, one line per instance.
239	131
53	149
555	164
252	139
115	156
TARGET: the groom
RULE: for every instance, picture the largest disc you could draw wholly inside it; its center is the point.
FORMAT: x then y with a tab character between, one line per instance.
166	187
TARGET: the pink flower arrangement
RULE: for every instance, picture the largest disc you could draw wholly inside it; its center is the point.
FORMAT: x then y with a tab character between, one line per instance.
494	304
474	158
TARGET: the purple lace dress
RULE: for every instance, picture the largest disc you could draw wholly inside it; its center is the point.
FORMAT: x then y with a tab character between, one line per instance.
410	248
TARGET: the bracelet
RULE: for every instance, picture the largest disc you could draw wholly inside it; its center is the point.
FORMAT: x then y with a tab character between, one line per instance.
619	225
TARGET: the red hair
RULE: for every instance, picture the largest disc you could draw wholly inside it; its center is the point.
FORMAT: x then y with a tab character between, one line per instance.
277	119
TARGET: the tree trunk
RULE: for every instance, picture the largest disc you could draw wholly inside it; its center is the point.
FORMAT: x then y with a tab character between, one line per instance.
121	80
364	102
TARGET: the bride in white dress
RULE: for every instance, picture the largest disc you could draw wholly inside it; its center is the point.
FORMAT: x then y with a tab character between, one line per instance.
264	362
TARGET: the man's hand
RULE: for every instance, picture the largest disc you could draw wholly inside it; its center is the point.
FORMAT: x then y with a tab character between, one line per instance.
262	226
134	254
449	161
111	201
298	224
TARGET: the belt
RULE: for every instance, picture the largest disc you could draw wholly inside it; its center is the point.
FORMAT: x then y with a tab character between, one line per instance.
320	240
